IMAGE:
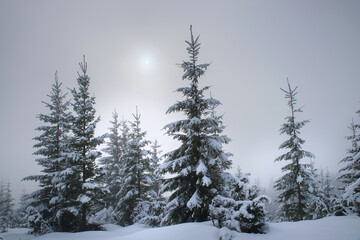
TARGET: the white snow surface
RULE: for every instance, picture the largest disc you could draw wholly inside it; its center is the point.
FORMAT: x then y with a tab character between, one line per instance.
330	228
89	186
83	199
201	168
194	201
299	179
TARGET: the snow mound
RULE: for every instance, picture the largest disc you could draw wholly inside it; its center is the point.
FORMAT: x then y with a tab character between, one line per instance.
16	234
330	228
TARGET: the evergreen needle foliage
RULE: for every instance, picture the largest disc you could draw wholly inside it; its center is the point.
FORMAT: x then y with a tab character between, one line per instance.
83	191
52	144
350	174
6	207
196	166
296	186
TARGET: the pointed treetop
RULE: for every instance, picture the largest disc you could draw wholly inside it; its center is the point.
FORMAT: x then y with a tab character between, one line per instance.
137	115
57	84
56	78
352	126
290	94
194	46
192	36
115	114
83	65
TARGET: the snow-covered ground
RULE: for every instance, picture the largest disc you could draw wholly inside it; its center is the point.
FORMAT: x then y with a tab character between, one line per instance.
331	228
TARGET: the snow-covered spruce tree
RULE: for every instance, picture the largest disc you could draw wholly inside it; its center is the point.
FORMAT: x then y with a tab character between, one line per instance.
295	186
346	173
112	163
137	180
327	190
155	158
113	167
317	207
103	215
150	212
37	222
240	207
21	217
6	207
195	167
350	174
51	144
82	190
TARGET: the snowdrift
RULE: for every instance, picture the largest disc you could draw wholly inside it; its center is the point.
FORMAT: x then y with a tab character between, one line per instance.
330	228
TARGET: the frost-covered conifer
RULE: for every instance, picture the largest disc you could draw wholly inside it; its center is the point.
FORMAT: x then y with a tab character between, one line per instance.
21	216
112	164
346	173
296	185
137	180
240	207
124	139
195	167
6	207
327	191
272	208
155	158
29	217
150	212
316	205
350	174
82	189
37	222
51	145
104	216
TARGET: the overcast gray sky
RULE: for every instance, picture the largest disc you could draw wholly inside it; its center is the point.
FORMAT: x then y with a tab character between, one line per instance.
132	48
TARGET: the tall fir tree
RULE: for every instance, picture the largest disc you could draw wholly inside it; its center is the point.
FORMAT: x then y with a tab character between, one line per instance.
295	185
112	164
350	174
195	167
83	191
137	180
51	145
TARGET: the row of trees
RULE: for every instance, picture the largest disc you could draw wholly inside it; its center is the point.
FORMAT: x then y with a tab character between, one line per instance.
68	149
129	171
79	189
